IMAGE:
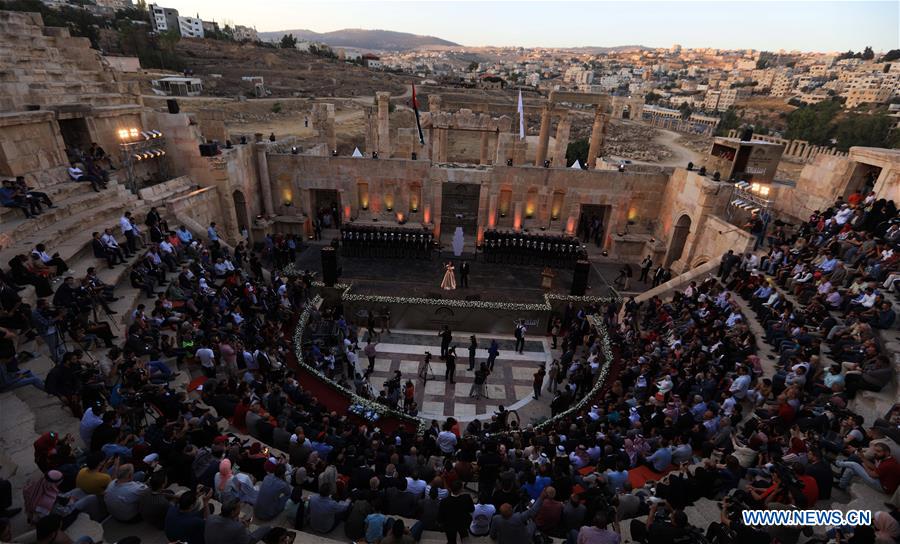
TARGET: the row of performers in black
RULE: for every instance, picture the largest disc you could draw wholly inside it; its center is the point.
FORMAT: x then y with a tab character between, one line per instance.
538	249
366	241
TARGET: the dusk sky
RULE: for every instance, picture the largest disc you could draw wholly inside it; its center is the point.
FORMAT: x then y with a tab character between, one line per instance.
768	25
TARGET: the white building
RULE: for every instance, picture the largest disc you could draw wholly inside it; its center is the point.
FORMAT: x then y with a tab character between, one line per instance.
163	19
190	27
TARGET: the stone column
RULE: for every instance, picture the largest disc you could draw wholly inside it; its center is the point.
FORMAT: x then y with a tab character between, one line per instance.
562	141
520	148
544	137
485	140
598	135
434	103
265	183
371	130
505	144
384	124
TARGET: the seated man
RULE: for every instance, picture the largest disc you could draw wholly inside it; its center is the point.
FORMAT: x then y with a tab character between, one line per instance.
10	197
883	474
31	193
123	495
40	251
77	174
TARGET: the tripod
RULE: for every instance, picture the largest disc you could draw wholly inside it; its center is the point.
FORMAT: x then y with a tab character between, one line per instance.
425	371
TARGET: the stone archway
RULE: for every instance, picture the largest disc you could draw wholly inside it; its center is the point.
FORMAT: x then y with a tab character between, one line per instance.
240	210
679	237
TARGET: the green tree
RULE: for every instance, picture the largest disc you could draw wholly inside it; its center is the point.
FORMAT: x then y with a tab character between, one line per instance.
891	55
868	54
652	98
729	120
577	150
686	110
472	66
288	41
169	39
276	107
863	130
813	122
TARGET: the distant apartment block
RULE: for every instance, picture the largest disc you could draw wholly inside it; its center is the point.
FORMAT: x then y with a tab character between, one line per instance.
163	19
245	34
870	89
190	27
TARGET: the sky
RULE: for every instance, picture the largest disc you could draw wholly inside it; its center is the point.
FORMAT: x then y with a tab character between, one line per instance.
760	24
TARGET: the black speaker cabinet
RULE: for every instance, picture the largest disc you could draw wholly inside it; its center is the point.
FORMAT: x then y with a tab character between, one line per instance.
173	105
329	266
580	278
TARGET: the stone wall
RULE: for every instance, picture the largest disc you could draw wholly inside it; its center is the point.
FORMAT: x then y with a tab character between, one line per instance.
197	209
531	191
31	146
821	182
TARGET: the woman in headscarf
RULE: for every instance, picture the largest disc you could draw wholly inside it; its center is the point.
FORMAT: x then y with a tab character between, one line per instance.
230	485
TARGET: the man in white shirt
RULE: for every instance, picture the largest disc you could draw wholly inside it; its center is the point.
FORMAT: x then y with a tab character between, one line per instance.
446	441
207	361
128	231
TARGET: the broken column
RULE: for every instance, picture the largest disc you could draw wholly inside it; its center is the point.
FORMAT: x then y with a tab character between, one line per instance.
384	123
562	141
323	122
544	137
598	135
371	130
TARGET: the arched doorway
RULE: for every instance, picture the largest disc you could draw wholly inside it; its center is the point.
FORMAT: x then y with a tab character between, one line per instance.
679	237
240	210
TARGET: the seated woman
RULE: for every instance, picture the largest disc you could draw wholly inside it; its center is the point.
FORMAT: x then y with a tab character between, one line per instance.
22	275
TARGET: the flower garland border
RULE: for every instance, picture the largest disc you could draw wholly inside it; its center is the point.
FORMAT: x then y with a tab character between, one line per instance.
419	423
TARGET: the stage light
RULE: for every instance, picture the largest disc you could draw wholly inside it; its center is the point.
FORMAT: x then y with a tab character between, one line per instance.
123	134
133	132
294	150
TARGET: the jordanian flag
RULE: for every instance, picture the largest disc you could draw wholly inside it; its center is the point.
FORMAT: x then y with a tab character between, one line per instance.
415	105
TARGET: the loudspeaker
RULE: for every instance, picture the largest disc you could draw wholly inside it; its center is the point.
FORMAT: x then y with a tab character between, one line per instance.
747	134
329	266
209	150
580	278
173	105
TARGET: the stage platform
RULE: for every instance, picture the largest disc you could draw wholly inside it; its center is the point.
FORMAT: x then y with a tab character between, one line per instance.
498	282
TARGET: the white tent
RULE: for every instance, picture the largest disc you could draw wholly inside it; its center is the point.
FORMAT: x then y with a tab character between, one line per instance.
356	152
576	165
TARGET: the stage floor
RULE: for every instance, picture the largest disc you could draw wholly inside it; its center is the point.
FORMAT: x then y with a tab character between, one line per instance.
509	385
499	282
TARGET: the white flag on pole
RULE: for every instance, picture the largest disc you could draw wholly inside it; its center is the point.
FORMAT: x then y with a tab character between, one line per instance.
521	111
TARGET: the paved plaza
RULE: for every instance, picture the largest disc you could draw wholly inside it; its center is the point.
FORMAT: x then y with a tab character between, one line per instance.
509	385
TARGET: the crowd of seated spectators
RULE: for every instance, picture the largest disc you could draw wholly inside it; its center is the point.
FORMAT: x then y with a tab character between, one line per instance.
689	413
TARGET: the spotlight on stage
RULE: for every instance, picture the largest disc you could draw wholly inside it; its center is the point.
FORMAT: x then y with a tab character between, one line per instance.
702	171
334	152
546	164
690	166
374	154
717	176
508	162
294	150
414	156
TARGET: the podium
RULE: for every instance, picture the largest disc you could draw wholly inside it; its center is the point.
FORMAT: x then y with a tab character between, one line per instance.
547	276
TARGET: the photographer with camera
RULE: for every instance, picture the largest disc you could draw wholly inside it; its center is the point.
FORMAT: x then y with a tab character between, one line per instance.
664	525
730	527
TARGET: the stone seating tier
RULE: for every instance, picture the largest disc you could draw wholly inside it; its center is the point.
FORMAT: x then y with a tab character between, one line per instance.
46	66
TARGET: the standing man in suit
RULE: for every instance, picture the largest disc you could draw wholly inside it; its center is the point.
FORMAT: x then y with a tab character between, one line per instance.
646	265
450	373
520	336
446	338
464	274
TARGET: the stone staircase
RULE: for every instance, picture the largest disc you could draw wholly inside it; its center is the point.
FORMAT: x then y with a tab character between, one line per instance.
68	70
